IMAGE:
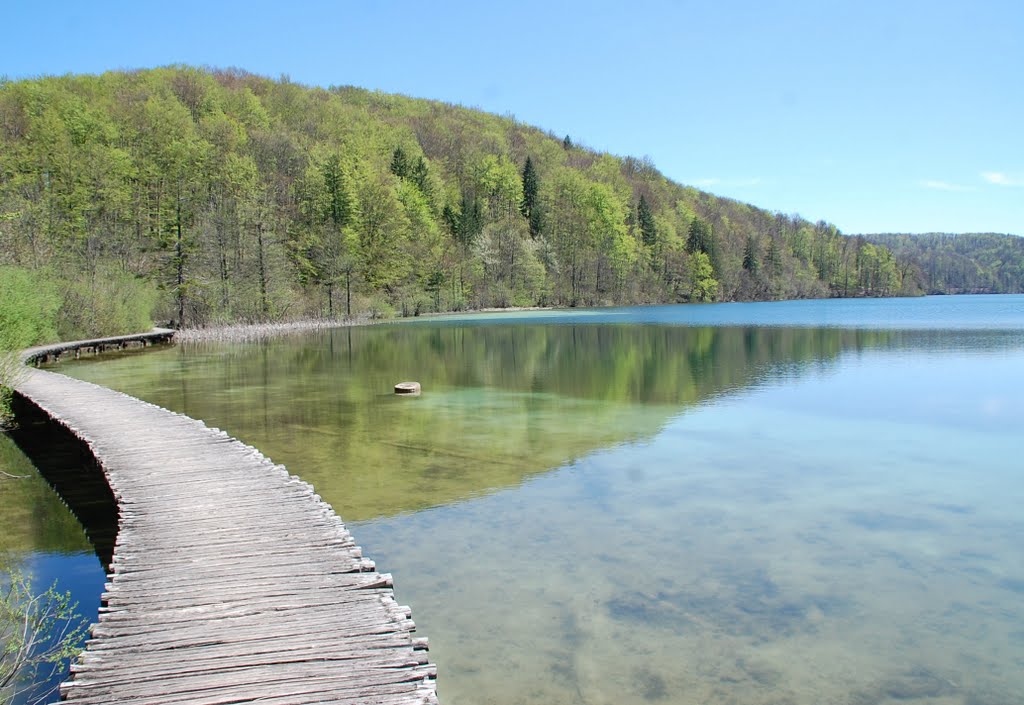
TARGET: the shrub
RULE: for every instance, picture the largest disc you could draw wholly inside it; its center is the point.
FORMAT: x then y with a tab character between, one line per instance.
112	302
28	315
28	308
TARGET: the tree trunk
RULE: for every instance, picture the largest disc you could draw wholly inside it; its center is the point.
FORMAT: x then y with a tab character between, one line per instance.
224	296
264	304
348	293
179	257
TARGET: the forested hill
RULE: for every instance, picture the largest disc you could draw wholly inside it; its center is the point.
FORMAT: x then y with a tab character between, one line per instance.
216	195
976	263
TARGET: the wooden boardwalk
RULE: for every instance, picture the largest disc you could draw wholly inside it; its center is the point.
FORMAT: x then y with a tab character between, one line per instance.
231	581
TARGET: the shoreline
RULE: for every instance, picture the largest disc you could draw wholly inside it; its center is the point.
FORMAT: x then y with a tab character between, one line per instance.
253	332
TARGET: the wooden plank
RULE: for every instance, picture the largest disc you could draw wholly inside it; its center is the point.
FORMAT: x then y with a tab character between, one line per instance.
308	662
320	642
232	581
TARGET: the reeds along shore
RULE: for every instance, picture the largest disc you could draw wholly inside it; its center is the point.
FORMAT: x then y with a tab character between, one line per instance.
248	332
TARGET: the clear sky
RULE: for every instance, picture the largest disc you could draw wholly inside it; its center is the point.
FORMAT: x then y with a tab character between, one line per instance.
886	116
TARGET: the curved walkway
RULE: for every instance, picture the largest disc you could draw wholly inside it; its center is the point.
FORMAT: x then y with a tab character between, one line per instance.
232	582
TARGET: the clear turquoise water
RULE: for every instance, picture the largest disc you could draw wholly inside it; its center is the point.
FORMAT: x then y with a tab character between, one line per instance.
647	507
925	313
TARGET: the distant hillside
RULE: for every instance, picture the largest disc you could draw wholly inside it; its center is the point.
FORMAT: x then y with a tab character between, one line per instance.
229	196
974	263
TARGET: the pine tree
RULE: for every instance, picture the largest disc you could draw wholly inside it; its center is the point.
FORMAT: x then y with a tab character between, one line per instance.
451	220
774	258
338	204
536	222
471	220
699	237
702	239
530	206
419	176
529	188
645	218
400	163
750	256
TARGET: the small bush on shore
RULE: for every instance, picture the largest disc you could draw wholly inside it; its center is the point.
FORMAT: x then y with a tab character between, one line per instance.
111	302
28	308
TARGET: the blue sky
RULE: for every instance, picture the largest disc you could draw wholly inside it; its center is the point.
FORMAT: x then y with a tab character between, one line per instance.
877	116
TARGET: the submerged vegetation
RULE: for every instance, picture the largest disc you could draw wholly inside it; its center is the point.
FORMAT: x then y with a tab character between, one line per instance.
502	402
214	196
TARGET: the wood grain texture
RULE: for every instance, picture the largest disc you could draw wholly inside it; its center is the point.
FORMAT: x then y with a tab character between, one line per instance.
231	581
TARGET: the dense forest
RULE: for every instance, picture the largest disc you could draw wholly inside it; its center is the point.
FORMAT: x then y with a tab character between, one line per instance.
205	196
986	263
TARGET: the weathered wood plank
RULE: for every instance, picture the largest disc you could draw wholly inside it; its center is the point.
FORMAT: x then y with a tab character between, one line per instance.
232	581
206	670
282	644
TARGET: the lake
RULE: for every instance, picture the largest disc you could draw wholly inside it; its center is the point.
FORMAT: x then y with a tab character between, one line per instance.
789	503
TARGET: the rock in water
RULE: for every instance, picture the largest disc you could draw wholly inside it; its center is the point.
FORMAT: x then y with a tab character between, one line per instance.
408	388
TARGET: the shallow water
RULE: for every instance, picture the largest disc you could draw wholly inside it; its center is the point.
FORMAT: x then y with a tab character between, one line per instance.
41	538
670	512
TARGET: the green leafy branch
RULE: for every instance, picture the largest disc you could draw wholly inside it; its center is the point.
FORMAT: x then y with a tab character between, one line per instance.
38	634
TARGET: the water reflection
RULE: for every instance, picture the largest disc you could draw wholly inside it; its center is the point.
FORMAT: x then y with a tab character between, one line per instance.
34	518
501	403
69	467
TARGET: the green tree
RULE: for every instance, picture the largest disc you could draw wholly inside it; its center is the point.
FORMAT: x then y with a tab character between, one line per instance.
645	218
700	237
175	180
588	238
614	250
325	248
704	287
421	177
423	245
530	206
500	186
435	283
470	220
337	200
382	234
751	256
400	163
507	254
569	237
773	258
